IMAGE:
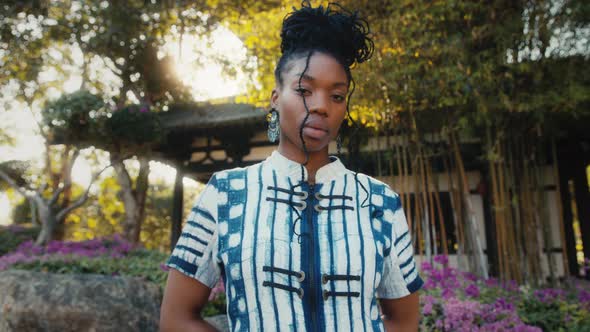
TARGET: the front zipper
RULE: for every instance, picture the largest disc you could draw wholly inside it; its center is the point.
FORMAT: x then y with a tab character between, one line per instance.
311	266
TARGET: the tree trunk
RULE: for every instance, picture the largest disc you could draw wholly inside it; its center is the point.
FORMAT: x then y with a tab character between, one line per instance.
47	220
133	198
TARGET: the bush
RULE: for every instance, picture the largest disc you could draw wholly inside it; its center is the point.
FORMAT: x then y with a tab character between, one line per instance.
12	236
137	263
458	301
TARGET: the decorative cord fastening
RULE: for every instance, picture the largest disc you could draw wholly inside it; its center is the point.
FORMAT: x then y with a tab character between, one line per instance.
327	294
319	196
318	208
330	277
302	205
299	291
300	275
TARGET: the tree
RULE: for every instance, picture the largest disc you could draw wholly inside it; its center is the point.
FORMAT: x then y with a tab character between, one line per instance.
120	38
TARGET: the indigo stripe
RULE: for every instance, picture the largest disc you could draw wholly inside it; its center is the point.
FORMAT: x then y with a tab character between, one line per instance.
404	264
189	249
272	250
246	318
203	213
406	247
194	237
345	231
400	238
377	258
410	272
255	271
291	263
415	285
358	218
331	243
182	265
197	225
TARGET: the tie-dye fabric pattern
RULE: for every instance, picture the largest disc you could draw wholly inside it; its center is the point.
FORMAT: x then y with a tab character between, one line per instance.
299	257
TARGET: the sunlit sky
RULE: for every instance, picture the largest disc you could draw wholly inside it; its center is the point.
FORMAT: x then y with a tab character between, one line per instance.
205	78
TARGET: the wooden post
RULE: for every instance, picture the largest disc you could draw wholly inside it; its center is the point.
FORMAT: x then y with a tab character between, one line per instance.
177	207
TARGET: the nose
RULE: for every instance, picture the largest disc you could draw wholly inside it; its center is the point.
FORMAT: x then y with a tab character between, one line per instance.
319	104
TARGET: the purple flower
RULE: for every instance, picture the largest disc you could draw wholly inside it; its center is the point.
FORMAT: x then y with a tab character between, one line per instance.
428	304
472	290
426	267
441	259
448	293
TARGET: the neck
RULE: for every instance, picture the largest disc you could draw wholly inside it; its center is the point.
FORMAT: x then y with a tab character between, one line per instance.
316	160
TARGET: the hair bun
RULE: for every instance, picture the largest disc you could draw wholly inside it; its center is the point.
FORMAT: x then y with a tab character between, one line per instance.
333	28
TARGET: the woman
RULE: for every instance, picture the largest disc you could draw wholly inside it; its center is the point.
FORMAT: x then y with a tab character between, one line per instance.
301	242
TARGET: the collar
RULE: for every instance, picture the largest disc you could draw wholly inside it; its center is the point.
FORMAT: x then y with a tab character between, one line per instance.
292	169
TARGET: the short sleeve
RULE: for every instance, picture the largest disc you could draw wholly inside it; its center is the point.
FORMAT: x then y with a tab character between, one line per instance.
400	273
196	250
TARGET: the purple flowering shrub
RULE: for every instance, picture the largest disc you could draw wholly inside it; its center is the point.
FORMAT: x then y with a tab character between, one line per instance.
458	301
107	256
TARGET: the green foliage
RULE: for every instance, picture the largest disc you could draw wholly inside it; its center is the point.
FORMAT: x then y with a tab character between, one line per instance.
554	315
216	306
74	118
12	236
138	263
544	315
16	170
134	126
21	213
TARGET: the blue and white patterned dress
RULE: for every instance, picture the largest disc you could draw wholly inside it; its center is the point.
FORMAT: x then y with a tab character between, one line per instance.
299	257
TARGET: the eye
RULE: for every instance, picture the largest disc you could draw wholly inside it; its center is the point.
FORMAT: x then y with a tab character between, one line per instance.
302	91
339	98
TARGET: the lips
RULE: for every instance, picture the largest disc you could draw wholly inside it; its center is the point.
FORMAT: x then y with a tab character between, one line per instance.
315	130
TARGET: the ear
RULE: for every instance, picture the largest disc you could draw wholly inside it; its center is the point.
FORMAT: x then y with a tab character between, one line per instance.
274	97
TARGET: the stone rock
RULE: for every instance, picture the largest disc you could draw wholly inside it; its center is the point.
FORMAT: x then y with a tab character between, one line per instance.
37	301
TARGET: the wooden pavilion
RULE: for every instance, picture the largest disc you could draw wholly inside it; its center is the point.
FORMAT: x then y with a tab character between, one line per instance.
208	138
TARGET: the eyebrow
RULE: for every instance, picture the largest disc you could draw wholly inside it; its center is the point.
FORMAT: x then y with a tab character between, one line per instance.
311	78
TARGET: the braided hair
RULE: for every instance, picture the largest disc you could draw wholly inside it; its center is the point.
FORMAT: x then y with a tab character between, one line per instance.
332	30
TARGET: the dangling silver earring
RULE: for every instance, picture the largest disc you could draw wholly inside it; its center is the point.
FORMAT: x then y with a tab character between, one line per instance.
274	129
339	144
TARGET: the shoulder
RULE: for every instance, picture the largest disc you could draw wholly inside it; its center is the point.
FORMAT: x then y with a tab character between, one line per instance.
376	184
381	192
220	178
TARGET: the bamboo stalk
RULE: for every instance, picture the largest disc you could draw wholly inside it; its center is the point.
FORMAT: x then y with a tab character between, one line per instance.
405	178
472	222
424	202
532	248
515	205
559	207
441	218
499	226
430	198
457	204
447	170
507	214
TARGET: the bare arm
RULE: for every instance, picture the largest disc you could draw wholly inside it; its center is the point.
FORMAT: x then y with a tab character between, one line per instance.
184	298
401	315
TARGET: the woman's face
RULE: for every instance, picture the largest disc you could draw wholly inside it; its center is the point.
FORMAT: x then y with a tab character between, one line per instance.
324	86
